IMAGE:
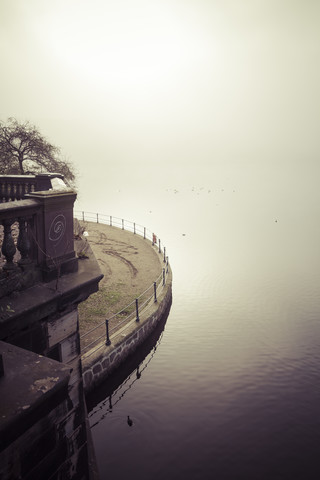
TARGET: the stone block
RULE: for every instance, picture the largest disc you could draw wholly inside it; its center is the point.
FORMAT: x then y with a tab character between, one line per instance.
70	348
106	363
96	369
62	327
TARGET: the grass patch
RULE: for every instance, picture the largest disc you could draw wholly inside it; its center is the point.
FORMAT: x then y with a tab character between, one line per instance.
97	305
126	311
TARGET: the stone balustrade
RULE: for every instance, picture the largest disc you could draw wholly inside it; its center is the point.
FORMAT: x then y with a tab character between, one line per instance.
36	231
15	187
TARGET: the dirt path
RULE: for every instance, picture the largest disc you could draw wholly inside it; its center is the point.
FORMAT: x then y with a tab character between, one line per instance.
130	265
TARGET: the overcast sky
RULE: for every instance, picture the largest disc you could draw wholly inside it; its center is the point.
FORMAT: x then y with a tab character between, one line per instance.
132	84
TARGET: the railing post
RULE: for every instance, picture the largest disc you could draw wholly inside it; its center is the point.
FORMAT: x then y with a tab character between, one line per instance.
110	220
155	291
137	310
83	216
134	228
108	341
167	264
164	254
163	277
122	224
144	232
159	245
97	217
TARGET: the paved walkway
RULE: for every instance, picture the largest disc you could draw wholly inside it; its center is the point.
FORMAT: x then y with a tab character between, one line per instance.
130	265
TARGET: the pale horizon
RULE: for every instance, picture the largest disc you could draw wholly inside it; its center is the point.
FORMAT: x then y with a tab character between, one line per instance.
180	87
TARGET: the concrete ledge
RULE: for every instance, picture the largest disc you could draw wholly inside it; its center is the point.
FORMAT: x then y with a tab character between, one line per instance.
32	386
50	297
98	364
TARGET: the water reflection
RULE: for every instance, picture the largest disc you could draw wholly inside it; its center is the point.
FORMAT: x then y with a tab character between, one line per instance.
104	399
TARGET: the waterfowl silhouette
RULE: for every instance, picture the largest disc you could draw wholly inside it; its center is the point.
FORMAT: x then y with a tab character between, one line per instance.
129	421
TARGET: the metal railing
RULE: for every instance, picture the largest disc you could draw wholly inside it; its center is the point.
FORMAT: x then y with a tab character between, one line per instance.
129	314
121	223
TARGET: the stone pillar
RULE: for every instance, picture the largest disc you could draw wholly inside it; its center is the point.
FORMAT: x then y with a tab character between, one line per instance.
54	232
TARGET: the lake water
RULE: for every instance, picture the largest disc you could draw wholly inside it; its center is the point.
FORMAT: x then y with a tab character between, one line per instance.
229	386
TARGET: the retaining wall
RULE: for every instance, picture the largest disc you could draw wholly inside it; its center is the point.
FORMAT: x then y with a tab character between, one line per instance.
98	365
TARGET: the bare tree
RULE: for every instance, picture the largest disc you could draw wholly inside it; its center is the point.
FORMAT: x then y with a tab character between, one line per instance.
24	150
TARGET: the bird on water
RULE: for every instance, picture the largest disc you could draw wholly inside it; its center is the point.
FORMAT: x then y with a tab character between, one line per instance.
129	421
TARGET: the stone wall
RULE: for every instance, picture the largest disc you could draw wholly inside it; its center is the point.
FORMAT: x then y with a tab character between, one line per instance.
50	438
99	365
42	434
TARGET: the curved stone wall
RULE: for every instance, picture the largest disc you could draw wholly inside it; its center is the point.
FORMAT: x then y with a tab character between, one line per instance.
99	365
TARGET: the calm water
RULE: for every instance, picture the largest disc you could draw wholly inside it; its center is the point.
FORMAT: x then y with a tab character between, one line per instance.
228	387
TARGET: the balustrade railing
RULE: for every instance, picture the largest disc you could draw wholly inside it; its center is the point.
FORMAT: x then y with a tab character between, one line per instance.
17	219
15	187
130	313
19	251
36	231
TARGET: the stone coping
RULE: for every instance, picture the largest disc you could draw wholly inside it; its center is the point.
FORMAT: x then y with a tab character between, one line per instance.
31	387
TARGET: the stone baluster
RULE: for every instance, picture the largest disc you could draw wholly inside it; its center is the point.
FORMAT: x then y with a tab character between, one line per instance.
8	246
13	191
17	191
9	192
23	243
6	192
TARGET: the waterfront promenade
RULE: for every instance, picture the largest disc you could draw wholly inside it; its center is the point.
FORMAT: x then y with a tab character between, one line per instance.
130	265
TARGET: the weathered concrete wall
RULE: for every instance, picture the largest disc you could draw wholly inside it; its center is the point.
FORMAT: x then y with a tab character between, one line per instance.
99	365
62	432
42	435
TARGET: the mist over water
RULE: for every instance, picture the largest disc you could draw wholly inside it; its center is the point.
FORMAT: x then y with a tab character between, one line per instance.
232	390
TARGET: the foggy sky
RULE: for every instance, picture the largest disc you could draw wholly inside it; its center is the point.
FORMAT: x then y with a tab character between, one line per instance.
135	85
